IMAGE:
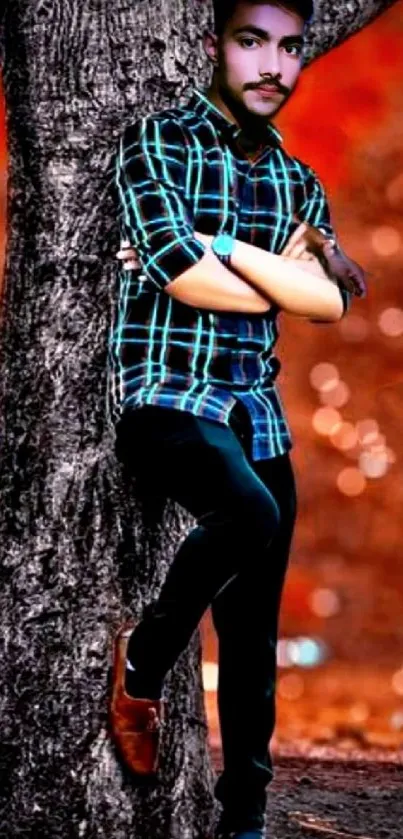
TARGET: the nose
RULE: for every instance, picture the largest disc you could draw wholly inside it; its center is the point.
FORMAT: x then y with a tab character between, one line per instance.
271	61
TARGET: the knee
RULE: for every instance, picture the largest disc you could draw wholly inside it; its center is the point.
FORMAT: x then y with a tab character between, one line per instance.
262	520
256	520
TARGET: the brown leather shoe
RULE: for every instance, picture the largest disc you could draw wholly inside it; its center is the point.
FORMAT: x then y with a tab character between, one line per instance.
135	723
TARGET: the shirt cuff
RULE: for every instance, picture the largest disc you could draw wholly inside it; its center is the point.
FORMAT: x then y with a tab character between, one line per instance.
172	259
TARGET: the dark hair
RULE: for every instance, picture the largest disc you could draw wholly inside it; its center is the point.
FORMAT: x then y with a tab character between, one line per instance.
224	9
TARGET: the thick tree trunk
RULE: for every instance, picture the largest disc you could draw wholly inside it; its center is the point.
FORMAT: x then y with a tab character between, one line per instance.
78	549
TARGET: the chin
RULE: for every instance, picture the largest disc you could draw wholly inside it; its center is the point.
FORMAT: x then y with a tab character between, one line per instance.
267	110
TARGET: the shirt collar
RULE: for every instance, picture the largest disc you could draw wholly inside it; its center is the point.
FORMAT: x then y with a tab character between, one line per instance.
201	105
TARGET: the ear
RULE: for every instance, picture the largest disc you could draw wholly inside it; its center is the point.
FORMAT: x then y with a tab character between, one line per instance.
210	46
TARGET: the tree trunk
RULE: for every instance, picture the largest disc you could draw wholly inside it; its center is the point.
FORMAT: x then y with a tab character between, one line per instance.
79	550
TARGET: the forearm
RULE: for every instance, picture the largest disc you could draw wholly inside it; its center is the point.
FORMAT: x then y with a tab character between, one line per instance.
282	280
210	285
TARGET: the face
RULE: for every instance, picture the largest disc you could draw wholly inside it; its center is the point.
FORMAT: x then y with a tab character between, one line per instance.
261	44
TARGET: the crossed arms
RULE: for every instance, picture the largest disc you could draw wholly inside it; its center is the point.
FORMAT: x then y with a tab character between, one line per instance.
151	171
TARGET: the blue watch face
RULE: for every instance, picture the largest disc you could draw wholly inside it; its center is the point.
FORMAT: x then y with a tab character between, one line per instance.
223	244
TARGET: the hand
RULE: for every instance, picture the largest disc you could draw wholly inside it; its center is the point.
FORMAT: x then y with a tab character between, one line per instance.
128	255
338	266
350	275
300	244
297	250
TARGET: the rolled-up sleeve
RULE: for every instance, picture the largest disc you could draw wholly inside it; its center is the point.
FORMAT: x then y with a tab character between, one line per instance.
151	170
316	212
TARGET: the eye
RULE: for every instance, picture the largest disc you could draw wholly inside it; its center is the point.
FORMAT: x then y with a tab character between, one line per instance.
251	40
293	49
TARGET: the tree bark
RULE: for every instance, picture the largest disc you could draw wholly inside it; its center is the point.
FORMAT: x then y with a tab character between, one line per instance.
79	549
337	21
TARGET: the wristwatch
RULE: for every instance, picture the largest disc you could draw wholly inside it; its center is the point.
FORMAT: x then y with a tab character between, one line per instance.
222	246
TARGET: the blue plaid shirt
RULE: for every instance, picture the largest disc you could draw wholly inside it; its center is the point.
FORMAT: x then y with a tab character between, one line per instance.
183	169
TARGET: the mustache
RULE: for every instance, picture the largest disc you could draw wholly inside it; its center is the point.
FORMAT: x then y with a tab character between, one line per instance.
272	83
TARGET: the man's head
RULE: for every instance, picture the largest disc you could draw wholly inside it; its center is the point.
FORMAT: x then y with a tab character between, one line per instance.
256	43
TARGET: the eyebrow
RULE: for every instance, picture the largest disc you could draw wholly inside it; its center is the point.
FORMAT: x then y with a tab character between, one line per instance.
261	33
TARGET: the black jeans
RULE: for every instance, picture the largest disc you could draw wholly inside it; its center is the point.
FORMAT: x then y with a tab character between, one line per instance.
235	560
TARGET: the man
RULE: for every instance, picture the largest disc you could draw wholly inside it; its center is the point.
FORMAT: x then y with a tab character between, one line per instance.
226	231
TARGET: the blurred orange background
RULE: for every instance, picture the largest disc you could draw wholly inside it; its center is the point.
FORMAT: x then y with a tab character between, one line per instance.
341	651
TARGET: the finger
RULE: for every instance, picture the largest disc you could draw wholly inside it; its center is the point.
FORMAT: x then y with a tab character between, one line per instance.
126	247
308	256
130	265
298	250
294	238
288	248
127	250
126	254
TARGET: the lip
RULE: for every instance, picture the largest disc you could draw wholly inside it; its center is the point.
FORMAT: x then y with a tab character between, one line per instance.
267	91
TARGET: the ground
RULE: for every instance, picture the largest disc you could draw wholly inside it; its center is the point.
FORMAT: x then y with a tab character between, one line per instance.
331	792
337	753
